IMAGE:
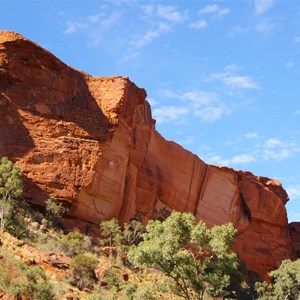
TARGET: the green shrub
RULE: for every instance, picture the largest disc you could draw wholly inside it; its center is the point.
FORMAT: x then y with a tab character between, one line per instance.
11	187
74	243
55	210
18	279
16	225
285	285
83	270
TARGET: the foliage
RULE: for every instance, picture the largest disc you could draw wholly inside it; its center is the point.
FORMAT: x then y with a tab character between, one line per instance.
74	243
126	291
11	187
246	290
132	233
197	260
17	279
83	270
111	232
55	210
120	239
16	224
286	282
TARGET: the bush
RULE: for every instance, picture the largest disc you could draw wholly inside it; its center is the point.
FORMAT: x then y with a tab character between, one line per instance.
286	282
74	243
18	280
83	270
55	210
16	224
11	187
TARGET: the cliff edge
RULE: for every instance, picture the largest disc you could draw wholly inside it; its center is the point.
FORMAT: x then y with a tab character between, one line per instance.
91	142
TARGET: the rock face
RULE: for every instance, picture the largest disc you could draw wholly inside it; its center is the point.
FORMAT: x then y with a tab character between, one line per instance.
91	142
295	236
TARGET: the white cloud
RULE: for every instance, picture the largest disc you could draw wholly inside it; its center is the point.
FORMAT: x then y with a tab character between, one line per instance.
236	30
235	81
110	20
204	105
152	102
95	18
215	10
153	22
189	140
242	159
262	6
273	143
159	20
293	191
195	96
170	13
201	24
278	154
73	27
147	38
272	149
251	135
211	113
267	26
232	68
233	161
209	10
297	112
242	82
165	114
276	149
94	26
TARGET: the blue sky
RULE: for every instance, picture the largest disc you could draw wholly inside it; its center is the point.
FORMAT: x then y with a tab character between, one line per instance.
222	76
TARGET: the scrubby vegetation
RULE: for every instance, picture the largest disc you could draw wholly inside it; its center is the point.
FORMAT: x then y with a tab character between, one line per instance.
17	279
171	258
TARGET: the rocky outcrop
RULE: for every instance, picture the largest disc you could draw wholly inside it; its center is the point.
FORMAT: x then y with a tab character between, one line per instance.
295	236
91	142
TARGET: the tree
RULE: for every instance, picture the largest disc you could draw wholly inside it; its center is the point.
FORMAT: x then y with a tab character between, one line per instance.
196	260
119	239
83	270
11	187
285	282
55	210
132	233
111	232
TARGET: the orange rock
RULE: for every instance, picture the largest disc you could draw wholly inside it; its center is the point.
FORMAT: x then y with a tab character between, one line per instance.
91	142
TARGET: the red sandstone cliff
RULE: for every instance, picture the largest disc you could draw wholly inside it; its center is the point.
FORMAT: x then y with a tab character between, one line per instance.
295	236
91	142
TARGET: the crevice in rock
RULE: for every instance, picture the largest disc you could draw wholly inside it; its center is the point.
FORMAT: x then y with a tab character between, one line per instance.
245	209
201	189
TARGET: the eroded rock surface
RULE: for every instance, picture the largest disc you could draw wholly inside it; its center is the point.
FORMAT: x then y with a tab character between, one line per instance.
295	236
91	142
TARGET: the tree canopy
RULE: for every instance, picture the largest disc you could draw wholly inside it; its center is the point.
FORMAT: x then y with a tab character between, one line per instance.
11	187
197	260
285	282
